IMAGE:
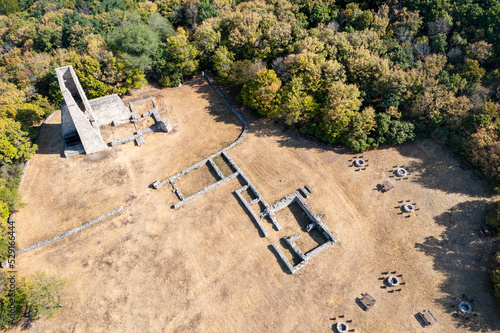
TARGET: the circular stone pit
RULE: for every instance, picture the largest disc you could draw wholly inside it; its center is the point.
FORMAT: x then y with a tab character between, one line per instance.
401	172
359	163
342	327
408	208
393	281
464	307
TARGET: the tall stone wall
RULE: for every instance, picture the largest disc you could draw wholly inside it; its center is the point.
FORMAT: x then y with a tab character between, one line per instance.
85	125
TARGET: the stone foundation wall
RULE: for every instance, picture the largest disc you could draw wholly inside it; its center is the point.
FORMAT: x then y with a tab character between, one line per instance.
177	191
215	168
318	249
206	189
72	231
291	242
242	135
250	210
290	267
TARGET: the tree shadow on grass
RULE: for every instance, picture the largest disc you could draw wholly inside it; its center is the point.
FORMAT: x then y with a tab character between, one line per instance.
463	258
258	124
435	165
50	140
433	162
217	107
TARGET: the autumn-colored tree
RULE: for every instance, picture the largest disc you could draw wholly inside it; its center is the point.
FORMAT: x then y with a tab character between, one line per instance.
294	104
261	92
222	59
306	66
207	37
243	71
340	108
183	53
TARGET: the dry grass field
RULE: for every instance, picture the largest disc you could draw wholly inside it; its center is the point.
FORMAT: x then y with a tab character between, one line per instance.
204	268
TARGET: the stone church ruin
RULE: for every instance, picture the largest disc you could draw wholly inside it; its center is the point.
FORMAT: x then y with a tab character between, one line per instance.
81	118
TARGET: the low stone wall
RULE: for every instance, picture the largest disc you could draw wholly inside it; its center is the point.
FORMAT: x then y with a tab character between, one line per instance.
120	141
305	191
283	202
315	218
254	201
250	210
152	99
318	250
221	94
253	189
299	198
215	168
283	258
72	231
144	131
177	191
139	141
156	115
242	135
291	242
296	197
290	267
206	189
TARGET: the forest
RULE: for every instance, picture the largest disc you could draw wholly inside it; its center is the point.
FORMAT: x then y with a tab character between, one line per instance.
358	73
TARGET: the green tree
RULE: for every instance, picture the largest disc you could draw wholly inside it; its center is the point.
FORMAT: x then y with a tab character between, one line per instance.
341	106
400	131
295	105
205	10
175	58
136	42
222	60
44	295
161	25
438	43
8	7
14	142
260	93
393	131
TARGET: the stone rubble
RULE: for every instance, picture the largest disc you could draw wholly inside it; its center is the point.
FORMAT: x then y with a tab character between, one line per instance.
161	124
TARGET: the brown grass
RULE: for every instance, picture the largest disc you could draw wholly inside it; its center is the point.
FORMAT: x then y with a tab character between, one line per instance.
196	180
142	107
204	268
223	166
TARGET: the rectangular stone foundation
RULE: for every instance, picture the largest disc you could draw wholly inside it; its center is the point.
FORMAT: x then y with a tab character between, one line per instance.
299	198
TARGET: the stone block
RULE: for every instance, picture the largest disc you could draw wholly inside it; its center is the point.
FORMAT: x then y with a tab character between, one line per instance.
164	125
140	140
